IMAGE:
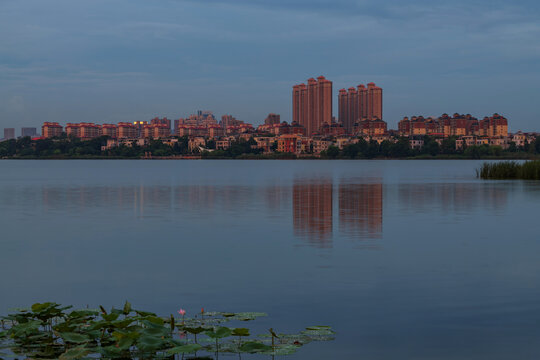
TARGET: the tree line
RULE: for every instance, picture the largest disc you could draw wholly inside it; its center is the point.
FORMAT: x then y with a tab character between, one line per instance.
402	149
64	147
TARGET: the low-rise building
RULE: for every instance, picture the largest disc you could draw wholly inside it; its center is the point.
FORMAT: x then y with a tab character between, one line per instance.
289	144
196	143
223	144
416	142
520	139
342	141
321	144
265	143
501	141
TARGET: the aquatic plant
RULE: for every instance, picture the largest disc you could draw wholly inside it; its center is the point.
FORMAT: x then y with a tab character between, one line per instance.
529	170
49	330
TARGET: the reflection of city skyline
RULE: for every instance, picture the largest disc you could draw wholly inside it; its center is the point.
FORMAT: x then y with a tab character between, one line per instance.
361	210
355	204
451	197
312	211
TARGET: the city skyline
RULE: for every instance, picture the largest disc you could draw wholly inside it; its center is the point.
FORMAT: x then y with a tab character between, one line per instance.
135	60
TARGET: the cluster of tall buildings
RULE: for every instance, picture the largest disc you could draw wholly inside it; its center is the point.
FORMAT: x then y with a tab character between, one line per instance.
360	108
312	104
360	114
359	104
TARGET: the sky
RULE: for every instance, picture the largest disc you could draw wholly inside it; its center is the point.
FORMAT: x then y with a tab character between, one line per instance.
127	60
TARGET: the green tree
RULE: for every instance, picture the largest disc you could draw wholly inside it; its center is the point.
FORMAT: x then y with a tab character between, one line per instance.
401	148
448	145
496	150
385	148
332	152
372	150
431	146
351	151
537	145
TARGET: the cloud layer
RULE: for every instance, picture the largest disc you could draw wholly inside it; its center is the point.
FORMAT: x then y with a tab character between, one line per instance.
130	60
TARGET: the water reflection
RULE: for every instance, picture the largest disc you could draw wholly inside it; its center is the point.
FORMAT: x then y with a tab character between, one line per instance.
356	204
458	268
312	211
455	198
361	210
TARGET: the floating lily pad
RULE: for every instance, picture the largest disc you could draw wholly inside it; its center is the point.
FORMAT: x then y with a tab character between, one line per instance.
184	349
75	353
74	338
253	347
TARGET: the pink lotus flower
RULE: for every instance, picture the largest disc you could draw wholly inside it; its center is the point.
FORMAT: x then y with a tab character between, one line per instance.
182	312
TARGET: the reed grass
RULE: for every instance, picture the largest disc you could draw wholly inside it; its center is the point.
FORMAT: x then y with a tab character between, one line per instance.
529	170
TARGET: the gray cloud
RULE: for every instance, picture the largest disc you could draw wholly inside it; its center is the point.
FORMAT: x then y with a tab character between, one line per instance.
242	56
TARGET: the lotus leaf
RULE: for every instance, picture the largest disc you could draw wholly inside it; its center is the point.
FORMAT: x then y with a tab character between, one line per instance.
150	343
74	338
248	316
144	313
184	349
83	313
75	353
196	330
48	331
285	349
110	317
253	347
155	320
219	333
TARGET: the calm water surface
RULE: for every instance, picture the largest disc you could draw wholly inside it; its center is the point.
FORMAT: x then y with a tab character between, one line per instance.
404	259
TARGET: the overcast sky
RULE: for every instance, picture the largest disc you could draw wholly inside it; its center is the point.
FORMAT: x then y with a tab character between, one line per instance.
125	60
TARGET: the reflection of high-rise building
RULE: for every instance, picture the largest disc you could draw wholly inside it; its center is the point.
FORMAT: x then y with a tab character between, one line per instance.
361	209
312	211
277	198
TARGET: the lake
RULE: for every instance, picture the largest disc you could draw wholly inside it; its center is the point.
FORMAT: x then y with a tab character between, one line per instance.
404	259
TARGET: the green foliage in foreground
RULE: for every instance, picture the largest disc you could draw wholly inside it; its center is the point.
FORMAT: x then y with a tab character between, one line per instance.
529	170
50	331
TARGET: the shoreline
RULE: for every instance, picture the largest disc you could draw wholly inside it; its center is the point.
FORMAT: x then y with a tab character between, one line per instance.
428	158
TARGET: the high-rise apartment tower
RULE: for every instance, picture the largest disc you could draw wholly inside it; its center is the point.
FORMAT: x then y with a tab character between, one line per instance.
9	133
28	131
312	104
359	104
